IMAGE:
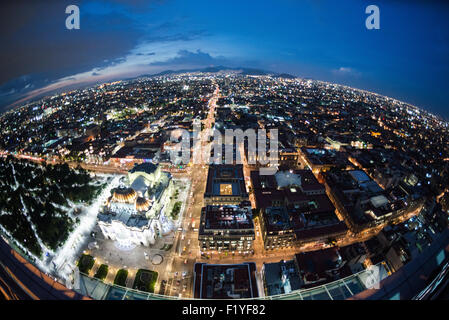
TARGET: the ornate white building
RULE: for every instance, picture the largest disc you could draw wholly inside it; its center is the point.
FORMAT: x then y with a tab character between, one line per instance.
132	214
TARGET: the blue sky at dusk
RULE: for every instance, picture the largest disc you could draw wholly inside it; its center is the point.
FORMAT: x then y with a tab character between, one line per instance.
408	58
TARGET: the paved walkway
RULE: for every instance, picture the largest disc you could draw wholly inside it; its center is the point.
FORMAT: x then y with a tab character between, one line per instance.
138	258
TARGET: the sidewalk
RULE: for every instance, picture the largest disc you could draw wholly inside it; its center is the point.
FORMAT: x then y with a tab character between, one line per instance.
130	279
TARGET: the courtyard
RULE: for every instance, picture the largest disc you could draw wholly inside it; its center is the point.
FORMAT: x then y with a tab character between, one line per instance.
156	257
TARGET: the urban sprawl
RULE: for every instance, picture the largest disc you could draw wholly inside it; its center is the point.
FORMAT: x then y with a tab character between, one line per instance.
89	188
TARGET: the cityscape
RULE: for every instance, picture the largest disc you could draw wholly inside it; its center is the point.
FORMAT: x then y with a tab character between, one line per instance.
155	187
90	172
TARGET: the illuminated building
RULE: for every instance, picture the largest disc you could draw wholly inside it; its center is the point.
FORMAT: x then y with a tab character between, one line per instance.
276	228
318	159
225	185
134	215
295	210
226	228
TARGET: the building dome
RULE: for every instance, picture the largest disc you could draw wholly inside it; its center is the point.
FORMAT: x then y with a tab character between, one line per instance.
142	204
124	195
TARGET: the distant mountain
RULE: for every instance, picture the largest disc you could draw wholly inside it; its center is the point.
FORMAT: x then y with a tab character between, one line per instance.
285	75
218	69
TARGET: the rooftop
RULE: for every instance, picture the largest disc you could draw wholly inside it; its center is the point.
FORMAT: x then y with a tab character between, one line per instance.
277	219
225	180
281	277
225	281
226	217
319	266
146	167
320	156
125	213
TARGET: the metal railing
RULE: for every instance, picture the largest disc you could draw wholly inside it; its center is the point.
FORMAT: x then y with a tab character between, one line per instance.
337	290
403	284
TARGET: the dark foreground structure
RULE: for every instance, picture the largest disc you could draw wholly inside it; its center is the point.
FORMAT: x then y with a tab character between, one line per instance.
20	280
225	281
424	278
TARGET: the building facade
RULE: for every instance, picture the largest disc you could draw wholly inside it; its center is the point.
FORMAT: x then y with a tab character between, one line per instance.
134	214
226	228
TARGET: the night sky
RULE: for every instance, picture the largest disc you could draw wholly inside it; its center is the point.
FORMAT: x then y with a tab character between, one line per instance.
408	58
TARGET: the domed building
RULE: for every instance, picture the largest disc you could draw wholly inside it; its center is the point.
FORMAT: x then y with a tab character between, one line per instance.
143	204
133	214
124	195
144	174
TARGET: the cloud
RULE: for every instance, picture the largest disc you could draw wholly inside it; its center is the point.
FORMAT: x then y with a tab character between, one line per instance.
37	45
108	31
345	72
138	62
115	39
145	54
189	58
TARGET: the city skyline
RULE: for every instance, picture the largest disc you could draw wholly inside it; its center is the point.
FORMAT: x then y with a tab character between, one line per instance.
89	187
406	59
170	150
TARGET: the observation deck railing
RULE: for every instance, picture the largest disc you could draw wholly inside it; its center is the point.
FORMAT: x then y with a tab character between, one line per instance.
337	290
